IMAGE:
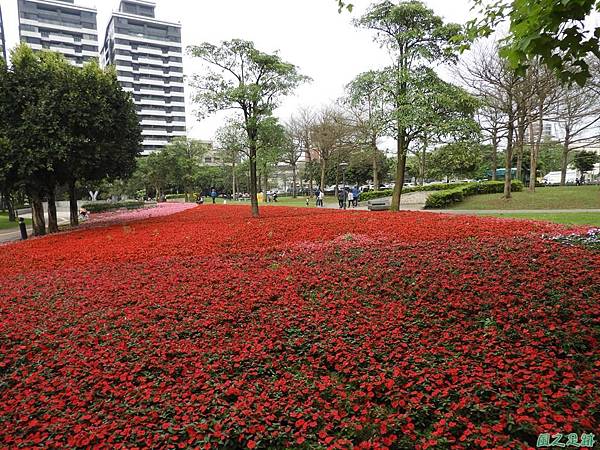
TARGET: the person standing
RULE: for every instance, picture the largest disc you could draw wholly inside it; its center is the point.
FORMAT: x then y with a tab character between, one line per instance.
342	198
321	198
350	199
356	195
213	195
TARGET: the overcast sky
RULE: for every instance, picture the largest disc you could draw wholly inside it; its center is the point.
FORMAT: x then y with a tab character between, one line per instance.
308	33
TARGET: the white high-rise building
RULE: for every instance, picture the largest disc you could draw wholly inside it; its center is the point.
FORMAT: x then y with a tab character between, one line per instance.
148	57
60	26
2	39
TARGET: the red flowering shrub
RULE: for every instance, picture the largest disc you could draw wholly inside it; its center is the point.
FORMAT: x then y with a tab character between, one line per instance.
302	329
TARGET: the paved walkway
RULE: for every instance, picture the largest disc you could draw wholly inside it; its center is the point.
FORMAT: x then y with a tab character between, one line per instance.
15	234
413	201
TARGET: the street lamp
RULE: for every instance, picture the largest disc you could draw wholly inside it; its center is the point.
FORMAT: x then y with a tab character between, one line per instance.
344	166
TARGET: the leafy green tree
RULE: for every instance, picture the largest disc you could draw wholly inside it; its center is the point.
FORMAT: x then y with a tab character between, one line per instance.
361	167
232	142
31	110
104	131
156	170
415	38
63	124
553	31
460	160
271	143
244	78
551	155
184	157
584	161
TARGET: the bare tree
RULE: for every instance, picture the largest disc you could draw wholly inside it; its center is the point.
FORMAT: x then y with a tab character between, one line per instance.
492	120
368	114
577	114
490	78
299	128
328	135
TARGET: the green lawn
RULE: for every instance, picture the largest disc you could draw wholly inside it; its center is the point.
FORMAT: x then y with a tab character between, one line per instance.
568	197
6	225
591	218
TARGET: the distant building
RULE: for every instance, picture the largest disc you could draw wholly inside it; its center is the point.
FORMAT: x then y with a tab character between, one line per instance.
212	157
148	56
549	131
2	39
60	26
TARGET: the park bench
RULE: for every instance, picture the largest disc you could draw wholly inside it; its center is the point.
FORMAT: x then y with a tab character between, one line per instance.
379	204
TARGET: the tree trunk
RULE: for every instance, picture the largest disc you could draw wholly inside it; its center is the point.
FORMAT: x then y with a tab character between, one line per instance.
294	176
400	168
375	165
39	221
508	160
233	177
73	209
424	162
10	206
52	217
337	178
323	164
265	182
310	171
253	178
494	154
521	127
565	157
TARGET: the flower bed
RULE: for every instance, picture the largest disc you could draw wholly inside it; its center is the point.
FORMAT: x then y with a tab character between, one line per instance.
119	217
303	329
100	207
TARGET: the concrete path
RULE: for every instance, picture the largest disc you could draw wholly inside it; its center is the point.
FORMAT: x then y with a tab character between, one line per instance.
15	234
413	201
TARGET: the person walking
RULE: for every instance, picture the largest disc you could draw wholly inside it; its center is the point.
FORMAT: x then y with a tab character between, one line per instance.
321	198
350	199
342	198
356	195
213	195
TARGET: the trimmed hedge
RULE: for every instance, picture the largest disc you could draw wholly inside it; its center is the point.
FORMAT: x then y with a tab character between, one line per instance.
104	207
174	196
372	195
446	198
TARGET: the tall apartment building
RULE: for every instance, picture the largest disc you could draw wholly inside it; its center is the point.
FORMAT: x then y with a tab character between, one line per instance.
148	56
2	39
60	26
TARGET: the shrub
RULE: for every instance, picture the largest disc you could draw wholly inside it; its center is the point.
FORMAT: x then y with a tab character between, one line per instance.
104	207
372	195
446	198
174	196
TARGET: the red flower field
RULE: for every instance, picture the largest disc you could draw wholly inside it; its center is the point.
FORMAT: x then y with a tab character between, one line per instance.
306	329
